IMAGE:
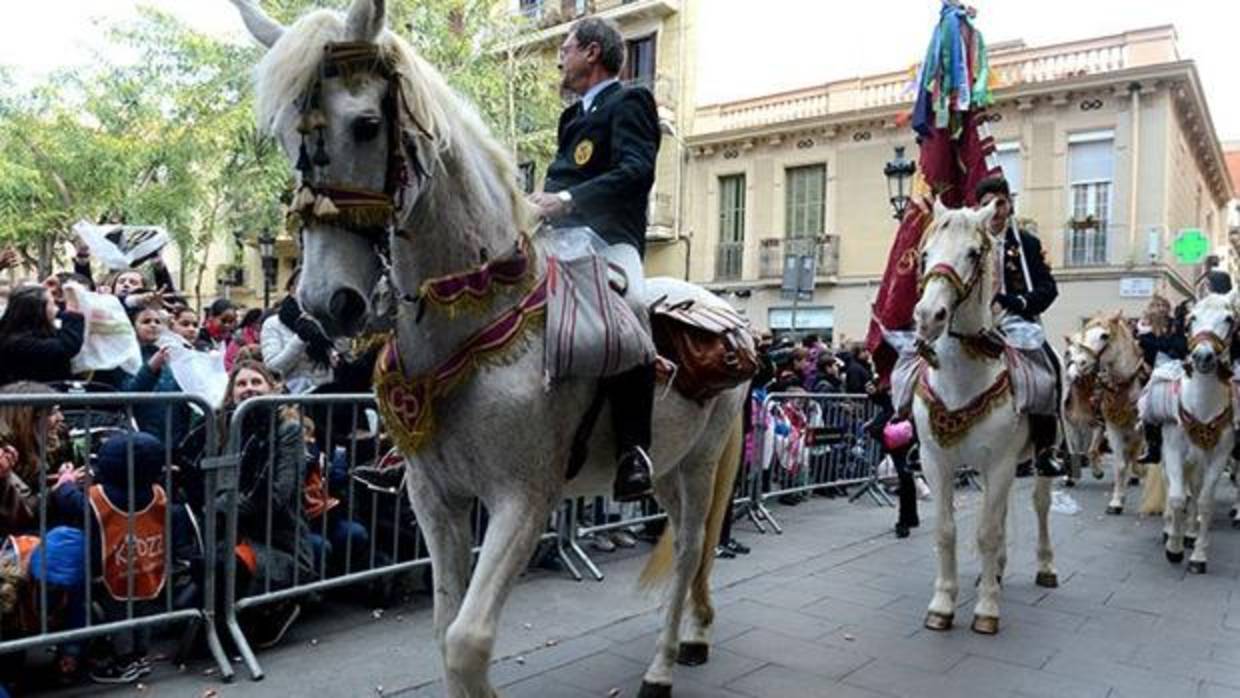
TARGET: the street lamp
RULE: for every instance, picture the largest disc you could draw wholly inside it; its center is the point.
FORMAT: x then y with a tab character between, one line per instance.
899	171
266	250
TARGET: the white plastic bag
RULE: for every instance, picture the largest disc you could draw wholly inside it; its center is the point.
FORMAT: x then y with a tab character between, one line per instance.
109	340
120	246
199	373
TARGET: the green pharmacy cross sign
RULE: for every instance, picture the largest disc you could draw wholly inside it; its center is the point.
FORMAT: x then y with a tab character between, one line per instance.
1190	246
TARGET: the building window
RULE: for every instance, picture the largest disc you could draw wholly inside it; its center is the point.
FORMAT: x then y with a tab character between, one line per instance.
1091	172
806	201
572	8
530	8
1008	157
731	250
639	65
525	177
819	320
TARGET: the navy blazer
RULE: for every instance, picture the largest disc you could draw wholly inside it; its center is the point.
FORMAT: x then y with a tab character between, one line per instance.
1043	291
605	159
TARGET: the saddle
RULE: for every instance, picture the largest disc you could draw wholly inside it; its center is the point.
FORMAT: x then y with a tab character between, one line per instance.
595	328
1031	378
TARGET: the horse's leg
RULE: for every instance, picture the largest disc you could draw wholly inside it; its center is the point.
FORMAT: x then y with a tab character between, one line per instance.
515	526
991	539
1235	481
1119	466
1213	472
1096	436
1173	515
1046	576
445	526
942	608
693	481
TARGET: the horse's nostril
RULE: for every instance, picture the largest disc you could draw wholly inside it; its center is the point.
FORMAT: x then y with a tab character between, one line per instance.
940	315
348	309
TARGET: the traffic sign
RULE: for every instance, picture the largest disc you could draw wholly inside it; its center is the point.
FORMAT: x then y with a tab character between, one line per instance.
1191	246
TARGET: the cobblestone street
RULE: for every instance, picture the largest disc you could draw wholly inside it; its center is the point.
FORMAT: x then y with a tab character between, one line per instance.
831	608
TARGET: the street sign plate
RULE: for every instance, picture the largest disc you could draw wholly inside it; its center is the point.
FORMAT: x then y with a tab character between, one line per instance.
1136	287
1191	246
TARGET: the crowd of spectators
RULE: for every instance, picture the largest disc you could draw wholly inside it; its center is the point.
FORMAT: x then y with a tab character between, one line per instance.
94	506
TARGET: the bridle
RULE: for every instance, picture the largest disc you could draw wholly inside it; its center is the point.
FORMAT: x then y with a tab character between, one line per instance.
963	288
372	214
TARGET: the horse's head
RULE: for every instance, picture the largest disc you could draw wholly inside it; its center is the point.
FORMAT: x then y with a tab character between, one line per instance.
955	264
1096	344
1075	359
1211	326
332	90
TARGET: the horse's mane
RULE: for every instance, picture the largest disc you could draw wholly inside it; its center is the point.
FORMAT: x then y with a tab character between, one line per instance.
288	69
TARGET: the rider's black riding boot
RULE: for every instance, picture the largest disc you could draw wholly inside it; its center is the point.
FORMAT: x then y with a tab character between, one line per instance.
1153	444
632	401
1045	428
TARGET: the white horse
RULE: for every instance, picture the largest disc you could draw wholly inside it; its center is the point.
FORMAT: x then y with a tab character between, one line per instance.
1197	446
965	411
396	167
1081	431
1108	350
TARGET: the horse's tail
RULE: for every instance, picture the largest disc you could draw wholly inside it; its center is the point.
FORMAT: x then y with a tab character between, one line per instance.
662	559
1154	490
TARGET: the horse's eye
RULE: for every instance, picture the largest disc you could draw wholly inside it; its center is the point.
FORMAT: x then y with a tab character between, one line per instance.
365	128
974	253
1105	336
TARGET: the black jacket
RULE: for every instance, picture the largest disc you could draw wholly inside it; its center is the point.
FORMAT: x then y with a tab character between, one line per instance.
1030	302
42	358
1174	344
606	160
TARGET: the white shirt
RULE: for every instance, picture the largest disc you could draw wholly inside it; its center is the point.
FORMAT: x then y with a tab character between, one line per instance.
587	99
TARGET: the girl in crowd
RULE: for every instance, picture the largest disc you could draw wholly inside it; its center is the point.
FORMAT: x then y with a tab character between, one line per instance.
31	437
165	422
218	329
272	456
32	347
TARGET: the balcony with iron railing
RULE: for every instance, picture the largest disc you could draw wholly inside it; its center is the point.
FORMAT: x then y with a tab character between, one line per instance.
825	248
552	18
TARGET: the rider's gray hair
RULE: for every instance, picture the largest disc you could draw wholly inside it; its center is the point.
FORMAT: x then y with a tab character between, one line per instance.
606	33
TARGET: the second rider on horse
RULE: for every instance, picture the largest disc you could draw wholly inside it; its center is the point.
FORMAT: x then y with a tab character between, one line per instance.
1028	290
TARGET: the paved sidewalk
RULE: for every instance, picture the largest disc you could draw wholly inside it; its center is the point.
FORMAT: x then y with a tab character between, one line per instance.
831	608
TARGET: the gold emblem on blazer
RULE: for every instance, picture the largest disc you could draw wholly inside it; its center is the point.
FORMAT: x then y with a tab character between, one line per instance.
583	152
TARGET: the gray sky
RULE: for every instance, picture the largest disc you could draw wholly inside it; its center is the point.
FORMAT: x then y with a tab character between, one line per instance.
745	52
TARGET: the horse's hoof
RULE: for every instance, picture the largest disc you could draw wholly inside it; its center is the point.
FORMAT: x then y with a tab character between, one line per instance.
986	625
1175	558
1114	510
1069	482
1195	567
1048	580
693	653
1190	542
1098	474
939	621
1134	481
655	690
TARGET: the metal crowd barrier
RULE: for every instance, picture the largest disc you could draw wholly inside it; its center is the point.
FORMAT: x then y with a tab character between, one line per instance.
830	449
90	611
365	529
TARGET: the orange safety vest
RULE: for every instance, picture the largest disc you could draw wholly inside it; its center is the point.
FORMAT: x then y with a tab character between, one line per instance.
22	547
149	572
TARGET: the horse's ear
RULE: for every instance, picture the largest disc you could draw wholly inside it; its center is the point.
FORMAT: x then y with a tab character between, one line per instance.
263	28
366	19
984	216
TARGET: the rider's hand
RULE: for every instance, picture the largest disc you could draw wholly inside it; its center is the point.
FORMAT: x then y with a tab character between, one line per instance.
8	459
549	205
1010	302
